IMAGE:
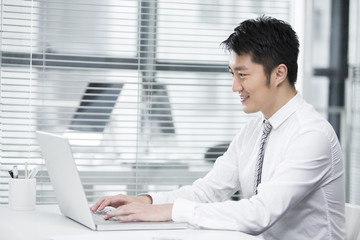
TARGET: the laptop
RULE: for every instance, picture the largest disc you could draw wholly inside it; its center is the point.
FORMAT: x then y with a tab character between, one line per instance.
69	191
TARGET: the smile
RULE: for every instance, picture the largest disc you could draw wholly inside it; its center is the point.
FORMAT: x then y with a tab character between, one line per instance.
243	98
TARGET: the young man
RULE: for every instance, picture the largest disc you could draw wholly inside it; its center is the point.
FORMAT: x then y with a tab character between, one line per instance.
291	174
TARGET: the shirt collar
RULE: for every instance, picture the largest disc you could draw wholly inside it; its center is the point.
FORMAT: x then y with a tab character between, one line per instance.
286	111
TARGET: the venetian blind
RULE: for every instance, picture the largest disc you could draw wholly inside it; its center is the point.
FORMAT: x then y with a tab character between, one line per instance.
140	88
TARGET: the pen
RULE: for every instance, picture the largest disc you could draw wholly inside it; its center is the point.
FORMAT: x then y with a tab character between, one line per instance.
15	172
33	172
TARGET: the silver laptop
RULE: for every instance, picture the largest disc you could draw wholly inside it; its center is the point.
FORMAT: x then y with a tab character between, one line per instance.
69	190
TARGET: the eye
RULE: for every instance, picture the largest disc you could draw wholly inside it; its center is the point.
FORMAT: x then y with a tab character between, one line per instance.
242	75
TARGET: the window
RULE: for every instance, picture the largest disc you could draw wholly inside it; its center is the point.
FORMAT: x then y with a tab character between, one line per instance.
140	88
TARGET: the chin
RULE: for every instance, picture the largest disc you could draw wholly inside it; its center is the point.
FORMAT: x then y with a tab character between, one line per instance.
249	110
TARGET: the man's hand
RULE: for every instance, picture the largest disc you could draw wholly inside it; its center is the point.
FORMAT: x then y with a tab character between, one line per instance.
137	211
119	200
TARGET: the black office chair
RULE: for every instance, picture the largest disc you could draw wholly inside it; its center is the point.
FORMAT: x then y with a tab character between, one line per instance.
96	107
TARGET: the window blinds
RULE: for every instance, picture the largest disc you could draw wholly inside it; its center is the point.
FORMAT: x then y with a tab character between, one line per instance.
140	88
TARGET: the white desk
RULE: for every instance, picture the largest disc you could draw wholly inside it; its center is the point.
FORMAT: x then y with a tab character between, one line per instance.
47	223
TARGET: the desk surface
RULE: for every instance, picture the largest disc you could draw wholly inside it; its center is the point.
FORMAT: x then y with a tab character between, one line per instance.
47	223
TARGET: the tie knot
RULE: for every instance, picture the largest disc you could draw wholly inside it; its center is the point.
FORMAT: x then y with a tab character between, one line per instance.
267	126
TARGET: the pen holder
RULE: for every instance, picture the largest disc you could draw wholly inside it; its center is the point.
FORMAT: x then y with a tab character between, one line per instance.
22	194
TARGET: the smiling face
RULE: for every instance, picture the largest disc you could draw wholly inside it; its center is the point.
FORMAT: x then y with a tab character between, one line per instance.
249	80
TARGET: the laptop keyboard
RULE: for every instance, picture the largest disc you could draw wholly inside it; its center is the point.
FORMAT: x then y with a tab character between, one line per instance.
99	216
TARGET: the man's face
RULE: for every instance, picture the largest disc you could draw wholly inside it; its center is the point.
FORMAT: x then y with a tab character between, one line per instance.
250	82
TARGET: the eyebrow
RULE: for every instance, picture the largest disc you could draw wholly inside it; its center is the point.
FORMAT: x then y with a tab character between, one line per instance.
239	68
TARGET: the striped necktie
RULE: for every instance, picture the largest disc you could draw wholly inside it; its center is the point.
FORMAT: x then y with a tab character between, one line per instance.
266	130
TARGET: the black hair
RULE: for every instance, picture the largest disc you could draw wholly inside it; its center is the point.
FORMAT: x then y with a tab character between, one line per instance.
269	41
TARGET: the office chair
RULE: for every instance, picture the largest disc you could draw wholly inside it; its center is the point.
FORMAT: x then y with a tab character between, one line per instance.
95	107
216	151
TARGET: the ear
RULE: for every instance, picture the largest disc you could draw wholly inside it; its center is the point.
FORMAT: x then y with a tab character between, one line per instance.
280	74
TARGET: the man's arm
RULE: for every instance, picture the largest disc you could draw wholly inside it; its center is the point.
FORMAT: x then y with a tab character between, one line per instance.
219	184
142	212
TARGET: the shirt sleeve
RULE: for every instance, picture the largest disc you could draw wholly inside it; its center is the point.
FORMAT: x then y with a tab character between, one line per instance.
219	184
306	167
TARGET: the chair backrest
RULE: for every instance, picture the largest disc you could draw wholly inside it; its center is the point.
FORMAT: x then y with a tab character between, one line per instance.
352	215
96	106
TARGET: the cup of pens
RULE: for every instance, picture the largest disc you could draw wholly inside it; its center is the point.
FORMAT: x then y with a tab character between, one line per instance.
22	191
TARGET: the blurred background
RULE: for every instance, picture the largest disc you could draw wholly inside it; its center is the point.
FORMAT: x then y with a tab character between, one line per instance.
142	90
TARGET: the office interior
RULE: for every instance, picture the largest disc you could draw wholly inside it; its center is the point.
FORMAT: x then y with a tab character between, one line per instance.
141	87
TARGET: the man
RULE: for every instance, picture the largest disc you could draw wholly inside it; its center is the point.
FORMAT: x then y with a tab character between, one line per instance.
293	188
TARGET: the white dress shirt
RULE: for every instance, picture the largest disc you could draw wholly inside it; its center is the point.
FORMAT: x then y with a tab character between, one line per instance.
301	195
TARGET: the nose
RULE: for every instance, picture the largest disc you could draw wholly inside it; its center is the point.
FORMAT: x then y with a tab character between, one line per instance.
237	86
